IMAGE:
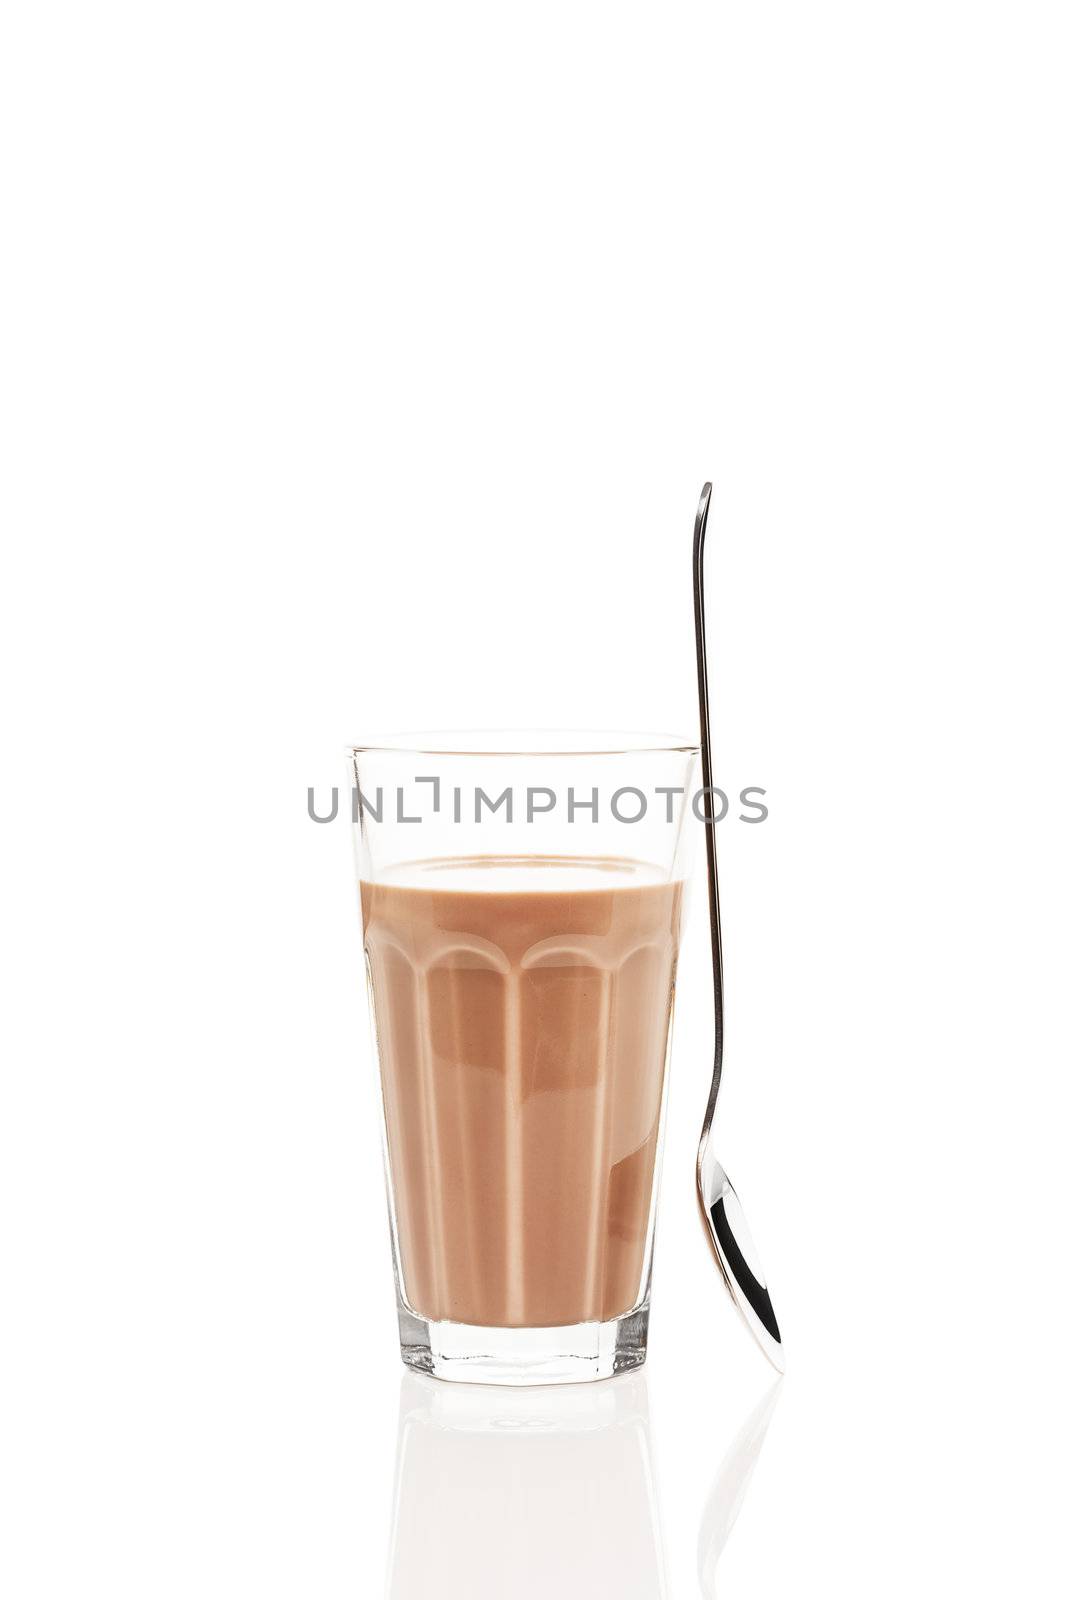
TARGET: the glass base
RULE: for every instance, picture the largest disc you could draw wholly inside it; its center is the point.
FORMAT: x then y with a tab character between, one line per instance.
581	1353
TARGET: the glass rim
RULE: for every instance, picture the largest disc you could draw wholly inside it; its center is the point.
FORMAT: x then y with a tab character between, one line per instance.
524	742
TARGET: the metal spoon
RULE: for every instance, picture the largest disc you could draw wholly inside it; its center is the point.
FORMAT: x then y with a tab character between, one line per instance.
720	1208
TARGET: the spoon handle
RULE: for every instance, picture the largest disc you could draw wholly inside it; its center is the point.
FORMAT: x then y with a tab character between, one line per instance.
700	529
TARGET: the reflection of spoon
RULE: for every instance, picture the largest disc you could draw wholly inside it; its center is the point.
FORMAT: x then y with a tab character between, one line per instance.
720	1208
524	1493
724	1501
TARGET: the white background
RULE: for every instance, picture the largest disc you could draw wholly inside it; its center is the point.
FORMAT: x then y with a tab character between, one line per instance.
361	366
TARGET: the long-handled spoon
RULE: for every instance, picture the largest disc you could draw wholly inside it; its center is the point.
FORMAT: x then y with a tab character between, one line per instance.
720	1208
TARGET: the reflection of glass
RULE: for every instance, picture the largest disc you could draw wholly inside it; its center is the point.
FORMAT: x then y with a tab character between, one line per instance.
524	1494
731	1484
521	901
544	1494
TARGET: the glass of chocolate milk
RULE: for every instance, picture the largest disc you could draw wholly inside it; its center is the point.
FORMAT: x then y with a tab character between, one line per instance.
521	898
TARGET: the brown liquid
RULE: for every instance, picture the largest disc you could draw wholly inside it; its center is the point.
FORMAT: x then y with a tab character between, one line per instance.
522	1010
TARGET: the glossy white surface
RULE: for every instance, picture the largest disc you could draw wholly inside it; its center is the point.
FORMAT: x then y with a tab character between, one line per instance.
360	366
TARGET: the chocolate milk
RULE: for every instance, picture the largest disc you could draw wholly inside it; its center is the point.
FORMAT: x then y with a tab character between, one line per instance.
522	1008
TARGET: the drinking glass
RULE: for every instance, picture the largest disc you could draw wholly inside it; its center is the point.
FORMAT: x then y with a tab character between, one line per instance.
521	899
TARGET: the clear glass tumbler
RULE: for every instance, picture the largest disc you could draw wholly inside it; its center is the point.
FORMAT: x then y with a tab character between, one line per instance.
521	899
